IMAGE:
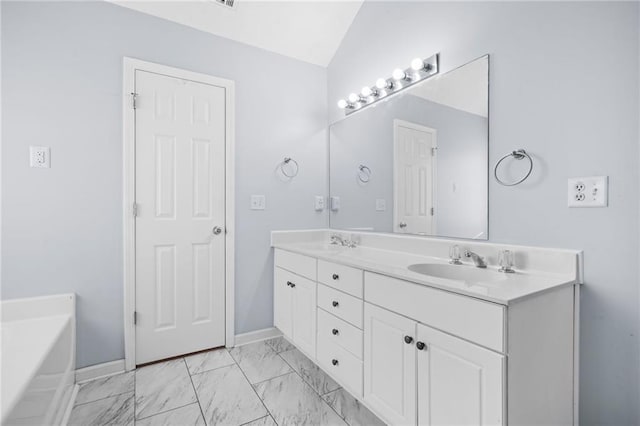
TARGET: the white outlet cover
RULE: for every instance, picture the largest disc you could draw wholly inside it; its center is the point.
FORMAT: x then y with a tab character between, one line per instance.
319	203
40	156
258	202
592	191
335	203
381	204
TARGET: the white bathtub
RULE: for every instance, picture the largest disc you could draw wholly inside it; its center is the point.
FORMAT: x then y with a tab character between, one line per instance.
37	359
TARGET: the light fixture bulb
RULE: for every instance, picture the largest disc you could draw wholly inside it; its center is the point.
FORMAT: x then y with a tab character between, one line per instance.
368	91
342	104
398	74
382	83
417	64
353	98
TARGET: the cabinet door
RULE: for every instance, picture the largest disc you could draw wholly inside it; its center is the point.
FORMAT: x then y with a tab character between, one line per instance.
459	383
390	365
304	315
282	301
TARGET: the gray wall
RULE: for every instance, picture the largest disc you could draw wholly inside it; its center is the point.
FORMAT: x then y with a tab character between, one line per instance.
62	87
564	85
367	138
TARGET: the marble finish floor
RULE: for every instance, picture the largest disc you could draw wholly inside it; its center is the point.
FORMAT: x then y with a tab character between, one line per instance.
259	384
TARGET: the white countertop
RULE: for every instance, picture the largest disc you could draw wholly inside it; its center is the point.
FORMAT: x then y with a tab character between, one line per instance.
513	288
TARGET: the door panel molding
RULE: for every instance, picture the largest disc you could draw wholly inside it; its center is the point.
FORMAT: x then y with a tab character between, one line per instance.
130	65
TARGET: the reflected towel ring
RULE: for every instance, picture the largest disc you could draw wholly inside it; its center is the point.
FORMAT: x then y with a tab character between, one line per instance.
518	155
294	172
364	173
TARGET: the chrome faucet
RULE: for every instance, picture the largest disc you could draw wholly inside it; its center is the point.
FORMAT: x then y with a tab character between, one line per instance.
477	260
338	240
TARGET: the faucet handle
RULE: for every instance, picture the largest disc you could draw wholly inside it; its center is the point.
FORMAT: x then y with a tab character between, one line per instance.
454	255
505	260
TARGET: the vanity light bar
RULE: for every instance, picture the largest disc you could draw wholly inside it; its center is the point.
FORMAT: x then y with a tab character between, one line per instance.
419	70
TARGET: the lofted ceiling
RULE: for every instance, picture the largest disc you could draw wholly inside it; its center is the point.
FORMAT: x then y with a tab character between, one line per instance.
307	30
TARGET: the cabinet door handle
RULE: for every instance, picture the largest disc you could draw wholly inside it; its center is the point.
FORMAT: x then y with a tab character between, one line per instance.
335	332
334	361
420	345
335	303
336	277
290	284
408	339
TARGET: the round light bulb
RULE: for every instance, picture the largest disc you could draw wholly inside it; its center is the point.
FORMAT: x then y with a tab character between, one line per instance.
366	91
353	98
398	74
417	64
342	104
381	83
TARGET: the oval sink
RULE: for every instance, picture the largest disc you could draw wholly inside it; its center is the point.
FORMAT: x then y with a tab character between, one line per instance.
458	272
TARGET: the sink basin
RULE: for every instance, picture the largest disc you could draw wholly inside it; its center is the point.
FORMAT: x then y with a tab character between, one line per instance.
458	272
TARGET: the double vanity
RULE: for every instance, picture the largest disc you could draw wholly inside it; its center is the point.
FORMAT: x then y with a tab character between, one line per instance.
419	340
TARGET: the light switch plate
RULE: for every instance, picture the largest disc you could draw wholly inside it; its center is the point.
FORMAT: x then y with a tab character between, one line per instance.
335	204
381	204
319	203
40	156
588	191
258	202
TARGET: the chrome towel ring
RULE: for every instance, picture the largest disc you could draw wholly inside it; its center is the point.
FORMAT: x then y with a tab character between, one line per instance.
364	173
294	172
518	155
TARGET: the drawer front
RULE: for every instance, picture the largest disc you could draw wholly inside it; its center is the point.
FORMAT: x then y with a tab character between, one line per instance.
302	265
343	365
340	333
472	319
343	278
340	304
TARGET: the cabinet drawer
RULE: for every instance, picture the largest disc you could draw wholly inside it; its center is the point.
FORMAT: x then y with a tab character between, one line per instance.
343	278
343	365
472	319
340	304
296	263
340	332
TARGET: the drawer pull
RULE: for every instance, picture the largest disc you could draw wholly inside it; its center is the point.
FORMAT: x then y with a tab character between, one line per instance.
420	345
290	284
408	339
335	303
334	361
335	332
336	277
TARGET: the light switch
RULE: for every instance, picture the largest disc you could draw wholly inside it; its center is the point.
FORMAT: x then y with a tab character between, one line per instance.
258	202
40	156
319	203
588	191
381	204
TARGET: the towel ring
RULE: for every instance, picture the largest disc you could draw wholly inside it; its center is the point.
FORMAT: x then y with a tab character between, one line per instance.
286	161
518	155
364	173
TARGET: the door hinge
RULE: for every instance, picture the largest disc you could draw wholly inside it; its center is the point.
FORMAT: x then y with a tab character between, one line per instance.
433	211
135	209
135	317
134	96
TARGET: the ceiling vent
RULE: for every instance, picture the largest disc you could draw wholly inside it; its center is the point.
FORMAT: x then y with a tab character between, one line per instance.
228	3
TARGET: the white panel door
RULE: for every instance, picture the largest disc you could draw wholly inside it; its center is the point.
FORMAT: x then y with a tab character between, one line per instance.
304	315
282	301
413	176
390	365
459	383
180	194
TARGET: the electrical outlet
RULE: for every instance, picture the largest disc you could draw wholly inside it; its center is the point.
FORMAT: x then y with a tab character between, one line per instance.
258	202
588	191
335	203
319	203
40	156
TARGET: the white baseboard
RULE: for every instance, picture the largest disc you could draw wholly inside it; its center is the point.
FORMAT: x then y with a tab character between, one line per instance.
256	336
99	370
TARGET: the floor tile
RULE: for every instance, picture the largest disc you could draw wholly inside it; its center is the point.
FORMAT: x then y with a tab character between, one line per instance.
114	410
226	397
279	344
210	360
264	421
105	387
351	409
163	387
259	362
292	402
310	372
189	415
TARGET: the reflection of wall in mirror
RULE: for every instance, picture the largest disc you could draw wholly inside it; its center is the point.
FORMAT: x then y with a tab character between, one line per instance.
461	163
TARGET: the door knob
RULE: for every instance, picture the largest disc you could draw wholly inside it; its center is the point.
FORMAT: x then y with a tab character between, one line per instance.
420	345
334	361
403	225
408	339
335	304
217	230
335	331
335	276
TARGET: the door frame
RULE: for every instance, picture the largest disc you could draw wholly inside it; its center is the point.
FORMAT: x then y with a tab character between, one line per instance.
130	65
402	123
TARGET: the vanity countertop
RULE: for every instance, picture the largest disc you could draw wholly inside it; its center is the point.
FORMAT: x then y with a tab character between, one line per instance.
513	288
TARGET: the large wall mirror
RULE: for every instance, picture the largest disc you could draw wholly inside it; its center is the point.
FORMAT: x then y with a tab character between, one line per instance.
416	163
